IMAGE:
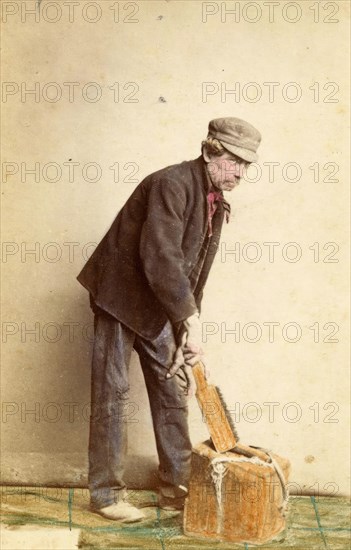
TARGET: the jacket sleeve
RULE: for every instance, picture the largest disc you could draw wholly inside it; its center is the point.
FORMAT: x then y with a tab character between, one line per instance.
161	249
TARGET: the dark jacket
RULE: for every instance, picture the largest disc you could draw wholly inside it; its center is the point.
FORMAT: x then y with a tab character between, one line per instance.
141	272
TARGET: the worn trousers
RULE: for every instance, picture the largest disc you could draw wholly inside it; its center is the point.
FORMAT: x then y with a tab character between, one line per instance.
111	408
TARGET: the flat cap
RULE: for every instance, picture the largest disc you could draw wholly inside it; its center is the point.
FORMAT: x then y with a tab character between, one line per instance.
237	136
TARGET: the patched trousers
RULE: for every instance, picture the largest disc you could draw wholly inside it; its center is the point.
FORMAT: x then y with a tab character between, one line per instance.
113	345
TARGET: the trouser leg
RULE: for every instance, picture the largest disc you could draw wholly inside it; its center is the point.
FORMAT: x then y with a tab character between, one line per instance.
169	408
113	344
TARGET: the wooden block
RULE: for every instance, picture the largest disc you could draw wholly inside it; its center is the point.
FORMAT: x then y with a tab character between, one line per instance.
238	501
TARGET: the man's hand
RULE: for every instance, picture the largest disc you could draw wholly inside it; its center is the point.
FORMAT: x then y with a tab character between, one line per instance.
192	349
189	351
179	363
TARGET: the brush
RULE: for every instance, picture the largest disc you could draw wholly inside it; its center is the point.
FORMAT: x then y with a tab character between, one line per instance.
218	418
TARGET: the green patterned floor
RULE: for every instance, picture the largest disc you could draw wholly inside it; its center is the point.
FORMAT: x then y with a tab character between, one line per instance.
314	523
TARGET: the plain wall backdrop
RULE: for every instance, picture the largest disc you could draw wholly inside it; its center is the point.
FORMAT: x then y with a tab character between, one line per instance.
163	70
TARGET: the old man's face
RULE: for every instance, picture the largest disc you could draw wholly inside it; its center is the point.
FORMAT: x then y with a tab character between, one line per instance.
226	170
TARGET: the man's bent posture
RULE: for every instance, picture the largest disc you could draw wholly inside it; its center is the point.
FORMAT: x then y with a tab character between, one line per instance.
146	280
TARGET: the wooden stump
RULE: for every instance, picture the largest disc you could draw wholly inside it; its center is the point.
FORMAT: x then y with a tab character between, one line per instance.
238	501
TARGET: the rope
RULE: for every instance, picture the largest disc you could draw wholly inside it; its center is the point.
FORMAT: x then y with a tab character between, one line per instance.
285	491
219	470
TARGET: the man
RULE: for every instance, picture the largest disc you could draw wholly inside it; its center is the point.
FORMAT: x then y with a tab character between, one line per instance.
146	280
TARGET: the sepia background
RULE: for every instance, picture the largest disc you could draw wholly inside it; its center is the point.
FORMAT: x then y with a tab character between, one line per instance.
122	89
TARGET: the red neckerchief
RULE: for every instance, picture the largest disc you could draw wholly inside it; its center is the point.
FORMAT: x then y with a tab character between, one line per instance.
213	198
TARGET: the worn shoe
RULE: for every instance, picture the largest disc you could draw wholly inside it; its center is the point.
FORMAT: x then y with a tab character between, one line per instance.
172	498
171	504
121	511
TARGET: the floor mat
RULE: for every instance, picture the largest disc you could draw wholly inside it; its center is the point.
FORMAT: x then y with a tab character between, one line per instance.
314	523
